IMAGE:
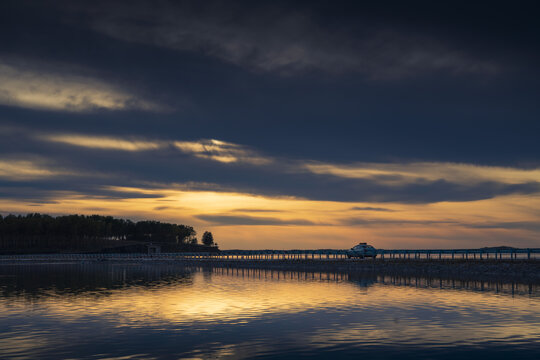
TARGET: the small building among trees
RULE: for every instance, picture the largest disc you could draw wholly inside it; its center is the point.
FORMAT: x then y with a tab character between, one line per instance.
153	249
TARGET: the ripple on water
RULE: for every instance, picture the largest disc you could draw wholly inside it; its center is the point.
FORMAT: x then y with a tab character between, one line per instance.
160	311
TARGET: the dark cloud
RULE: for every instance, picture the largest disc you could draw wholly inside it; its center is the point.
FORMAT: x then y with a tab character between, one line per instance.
166	167
369	208
335	82
46	191
250	220
158	208
511	225
271	38
317	113
257	210
377	222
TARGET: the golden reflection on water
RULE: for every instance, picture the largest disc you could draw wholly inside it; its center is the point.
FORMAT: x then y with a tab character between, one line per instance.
239	294
345	309
208	297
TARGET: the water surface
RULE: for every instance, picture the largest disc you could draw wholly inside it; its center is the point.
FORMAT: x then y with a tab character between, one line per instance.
163	311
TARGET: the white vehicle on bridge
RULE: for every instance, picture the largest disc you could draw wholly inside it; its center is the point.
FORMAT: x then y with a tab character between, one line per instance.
362	250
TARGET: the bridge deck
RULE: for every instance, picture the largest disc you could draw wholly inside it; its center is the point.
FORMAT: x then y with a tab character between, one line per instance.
321	254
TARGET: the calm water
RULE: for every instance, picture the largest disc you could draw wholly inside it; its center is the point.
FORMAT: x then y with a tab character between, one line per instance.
161	311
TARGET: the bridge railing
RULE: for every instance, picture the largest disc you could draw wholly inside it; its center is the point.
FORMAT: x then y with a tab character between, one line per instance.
322	254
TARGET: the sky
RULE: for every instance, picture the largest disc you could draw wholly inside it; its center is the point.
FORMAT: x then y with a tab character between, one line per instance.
278	124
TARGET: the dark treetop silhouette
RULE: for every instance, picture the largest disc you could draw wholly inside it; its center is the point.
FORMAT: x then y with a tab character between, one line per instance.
208	238
44	233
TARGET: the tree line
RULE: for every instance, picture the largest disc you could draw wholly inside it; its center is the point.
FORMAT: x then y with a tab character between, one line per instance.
69	232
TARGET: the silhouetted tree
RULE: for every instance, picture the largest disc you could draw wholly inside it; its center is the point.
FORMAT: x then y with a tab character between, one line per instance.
208	238
46	233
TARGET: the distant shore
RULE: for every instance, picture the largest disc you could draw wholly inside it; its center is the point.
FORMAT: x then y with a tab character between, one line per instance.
522	271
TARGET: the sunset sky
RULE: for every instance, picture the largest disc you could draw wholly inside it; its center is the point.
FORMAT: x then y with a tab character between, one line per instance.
279	124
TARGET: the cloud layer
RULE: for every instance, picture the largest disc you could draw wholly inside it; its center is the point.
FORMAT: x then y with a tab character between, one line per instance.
267	39
277	124
40	87
235	167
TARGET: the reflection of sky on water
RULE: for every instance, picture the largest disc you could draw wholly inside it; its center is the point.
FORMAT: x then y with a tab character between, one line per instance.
153	311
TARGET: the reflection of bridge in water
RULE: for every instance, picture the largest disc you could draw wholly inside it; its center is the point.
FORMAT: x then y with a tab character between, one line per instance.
367	280
321	255
36	279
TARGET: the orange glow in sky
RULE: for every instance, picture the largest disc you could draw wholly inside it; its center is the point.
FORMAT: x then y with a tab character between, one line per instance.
256	222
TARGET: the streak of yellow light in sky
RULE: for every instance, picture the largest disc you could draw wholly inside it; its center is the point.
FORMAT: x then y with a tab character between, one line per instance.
403	173
331	224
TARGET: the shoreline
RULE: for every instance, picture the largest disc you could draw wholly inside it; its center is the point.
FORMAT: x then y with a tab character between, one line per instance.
521	271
